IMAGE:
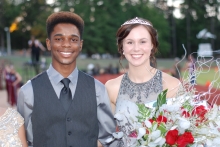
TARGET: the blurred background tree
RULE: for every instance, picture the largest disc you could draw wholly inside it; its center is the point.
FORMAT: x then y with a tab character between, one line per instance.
103	18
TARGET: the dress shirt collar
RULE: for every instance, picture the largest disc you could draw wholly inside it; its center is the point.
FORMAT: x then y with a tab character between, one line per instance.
56	77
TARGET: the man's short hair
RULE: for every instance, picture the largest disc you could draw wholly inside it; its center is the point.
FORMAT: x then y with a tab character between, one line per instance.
64	17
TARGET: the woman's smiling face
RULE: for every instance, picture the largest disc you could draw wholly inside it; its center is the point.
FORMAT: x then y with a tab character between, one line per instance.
137	46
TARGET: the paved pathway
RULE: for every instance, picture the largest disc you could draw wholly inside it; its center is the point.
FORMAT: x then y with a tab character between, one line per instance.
4	101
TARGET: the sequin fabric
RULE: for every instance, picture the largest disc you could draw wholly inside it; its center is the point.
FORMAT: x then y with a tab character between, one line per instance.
10	122
131	93
139	92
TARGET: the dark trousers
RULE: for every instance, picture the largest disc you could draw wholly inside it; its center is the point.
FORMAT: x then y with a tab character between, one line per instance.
35	58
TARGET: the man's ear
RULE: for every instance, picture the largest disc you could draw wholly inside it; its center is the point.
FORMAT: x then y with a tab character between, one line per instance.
48	44
81	45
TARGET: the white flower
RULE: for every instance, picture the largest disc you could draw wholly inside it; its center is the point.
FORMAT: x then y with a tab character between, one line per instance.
155	134
217	122
216	141
183	123
141	132
203	130
152	144
162	141
170	108
118	116
209	142
148	123
118	135
109	140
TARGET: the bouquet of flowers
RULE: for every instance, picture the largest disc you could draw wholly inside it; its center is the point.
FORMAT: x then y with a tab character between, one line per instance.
179	122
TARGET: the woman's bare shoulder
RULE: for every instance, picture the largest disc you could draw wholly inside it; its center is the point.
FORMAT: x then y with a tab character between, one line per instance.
114	82
113	87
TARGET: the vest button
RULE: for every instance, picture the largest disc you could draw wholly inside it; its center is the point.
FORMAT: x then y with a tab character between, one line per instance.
69	133
68	119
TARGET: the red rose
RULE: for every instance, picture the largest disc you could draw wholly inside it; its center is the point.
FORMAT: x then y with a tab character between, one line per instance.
161	119
200	111
171	137
151	120
185	113
185	139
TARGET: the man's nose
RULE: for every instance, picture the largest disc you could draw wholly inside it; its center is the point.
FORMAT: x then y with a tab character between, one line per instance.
66	43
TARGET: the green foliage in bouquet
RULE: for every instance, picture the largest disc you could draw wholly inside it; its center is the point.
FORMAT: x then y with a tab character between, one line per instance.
146	111
161	99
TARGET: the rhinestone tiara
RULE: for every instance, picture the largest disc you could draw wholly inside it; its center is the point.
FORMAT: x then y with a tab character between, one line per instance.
137	20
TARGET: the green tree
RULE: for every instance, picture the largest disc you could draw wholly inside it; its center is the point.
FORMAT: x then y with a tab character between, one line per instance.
102	19
197	16
8	14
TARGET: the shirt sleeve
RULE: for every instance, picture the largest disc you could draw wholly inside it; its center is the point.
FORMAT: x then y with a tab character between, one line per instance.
25	107
29	42
107	123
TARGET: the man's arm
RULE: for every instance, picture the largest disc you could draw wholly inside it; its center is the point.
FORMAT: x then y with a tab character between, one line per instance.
25	107
107	123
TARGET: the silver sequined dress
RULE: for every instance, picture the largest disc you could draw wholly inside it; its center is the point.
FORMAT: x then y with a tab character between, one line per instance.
10	122
129	94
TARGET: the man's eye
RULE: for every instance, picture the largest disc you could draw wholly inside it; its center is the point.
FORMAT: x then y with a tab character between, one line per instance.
58	39
75	40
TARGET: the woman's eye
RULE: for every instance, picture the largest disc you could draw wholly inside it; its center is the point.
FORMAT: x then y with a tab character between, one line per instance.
129	42
143	41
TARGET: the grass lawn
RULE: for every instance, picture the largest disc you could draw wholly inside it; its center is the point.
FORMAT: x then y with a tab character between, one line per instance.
162	64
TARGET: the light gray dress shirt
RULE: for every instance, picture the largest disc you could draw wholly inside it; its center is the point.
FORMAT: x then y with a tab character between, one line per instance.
25	103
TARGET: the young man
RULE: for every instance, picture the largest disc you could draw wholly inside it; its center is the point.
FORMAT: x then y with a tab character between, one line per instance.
74	112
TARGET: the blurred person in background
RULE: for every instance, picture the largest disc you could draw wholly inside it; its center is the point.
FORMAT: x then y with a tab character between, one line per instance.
190	65
13	82
35	46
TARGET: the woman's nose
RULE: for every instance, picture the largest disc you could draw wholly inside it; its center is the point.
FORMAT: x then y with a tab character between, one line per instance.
136	46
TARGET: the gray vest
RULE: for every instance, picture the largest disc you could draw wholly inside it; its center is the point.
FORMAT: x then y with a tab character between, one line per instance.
53	126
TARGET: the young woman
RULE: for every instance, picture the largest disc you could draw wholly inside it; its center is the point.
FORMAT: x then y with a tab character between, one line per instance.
137	42
12	133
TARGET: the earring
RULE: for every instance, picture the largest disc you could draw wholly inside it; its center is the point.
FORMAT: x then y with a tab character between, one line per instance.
123	53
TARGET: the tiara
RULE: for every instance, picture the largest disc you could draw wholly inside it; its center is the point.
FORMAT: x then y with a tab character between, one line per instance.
137	20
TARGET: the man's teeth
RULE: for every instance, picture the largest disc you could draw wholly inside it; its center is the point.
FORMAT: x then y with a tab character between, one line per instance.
66	53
